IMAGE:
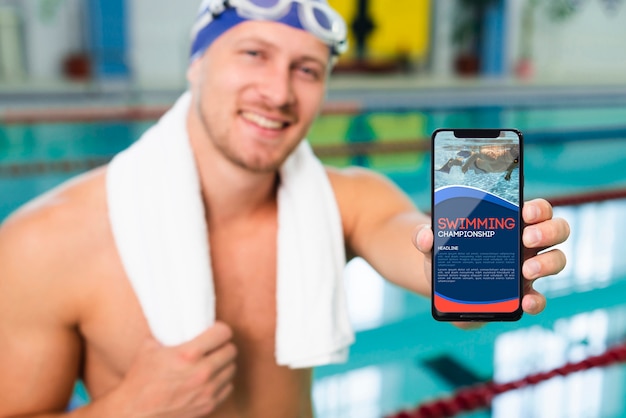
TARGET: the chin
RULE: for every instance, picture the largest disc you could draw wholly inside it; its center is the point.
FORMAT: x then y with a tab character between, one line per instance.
270	161
261	164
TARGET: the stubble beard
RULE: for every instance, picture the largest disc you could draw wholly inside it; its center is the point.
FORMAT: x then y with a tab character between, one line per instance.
221	144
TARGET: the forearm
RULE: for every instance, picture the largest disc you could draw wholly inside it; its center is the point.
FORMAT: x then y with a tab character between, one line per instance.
391	252
106	406
379	221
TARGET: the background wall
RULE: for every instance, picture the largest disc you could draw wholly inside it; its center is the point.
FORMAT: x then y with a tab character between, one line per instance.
159	41
50	31
585	46
589	43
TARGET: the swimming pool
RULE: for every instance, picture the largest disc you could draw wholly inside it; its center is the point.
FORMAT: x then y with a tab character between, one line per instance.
568	150
402	357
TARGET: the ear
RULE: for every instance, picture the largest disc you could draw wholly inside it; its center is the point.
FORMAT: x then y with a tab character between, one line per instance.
193	71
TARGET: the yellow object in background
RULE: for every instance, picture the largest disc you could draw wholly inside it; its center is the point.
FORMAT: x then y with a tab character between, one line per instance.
401	28
379	127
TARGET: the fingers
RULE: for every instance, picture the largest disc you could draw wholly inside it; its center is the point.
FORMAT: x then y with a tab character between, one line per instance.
190	379
222	376
545	264
465	325
533	302
537	210
223	392
219	360
546	234
213	375
208	341
216	373
542	231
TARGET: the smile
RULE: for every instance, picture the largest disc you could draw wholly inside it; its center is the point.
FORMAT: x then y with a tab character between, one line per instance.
262	121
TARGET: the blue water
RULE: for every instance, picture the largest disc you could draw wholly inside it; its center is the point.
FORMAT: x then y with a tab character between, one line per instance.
460	151
401	356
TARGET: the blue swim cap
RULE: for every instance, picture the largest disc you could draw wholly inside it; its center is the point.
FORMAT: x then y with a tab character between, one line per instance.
314	16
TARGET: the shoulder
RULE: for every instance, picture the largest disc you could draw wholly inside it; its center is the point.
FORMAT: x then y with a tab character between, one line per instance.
47	250
44	244
356	181
59	215
366	197
361	184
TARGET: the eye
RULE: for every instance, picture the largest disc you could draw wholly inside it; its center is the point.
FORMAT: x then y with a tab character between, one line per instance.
310	71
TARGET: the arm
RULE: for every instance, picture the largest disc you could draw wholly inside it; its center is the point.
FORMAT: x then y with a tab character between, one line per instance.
39	346
42	302
379	221
384	227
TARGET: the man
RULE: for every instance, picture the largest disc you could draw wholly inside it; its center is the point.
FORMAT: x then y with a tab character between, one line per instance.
67	309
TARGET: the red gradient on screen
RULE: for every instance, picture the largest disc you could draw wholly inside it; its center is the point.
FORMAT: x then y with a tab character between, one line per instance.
447	306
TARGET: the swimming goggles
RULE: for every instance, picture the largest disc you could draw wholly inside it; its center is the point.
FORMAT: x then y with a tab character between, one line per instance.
315	16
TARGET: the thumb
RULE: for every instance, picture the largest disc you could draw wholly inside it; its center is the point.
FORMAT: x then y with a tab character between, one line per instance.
423	238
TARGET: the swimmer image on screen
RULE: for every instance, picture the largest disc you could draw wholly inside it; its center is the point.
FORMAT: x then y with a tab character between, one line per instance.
487	159
476	222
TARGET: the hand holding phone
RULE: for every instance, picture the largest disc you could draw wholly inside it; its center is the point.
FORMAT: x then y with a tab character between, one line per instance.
477	193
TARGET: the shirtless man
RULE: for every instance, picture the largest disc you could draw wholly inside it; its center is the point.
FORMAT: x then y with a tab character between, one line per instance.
67	310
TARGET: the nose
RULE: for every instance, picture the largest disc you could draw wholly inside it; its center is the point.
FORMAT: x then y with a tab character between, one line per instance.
276	87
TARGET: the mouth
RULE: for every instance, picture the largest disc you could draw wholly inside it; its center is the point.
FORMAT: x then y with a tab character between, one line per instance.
264	122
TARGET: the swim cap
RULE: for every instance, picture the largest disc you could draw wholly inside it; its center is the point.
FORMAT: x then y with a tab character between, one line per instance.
314	16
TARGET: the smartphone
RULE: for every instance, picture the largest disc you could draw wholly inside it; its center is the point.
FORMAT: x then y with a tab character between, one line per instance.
477	197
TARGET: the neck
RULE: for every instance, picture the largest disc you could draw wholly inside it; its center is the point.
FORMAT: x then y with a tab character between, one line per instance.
230	192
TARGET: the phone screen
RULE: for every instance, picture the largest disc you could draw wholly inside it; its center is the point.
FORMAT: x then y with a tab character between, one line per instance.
477	177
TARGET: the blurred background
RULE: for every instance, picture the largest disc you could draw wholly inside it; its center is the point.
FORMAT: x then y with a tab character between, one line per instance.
80	80
96	45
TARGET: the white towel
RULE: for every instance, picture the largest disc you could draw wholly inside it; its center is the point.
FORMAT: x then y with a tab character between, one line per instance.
157	217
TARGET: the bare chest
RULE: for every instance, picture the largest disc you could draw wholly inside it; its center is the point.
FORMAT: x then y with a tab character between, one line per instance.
244	269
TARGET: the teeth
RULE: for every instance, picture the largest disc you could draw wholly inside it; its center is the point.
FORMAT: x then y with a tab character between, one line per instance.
261	121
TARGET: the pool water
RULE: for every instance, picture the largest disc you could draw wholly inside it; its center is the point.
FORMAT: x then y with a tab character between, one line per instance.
401	356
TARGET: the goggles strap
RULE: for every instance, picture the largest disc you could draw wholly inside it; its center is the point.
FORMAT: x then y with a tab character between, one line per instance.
224	14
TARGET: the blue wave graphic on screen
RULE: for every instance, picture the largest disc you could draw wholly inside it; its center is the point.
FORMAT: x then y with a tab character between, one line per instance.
450	192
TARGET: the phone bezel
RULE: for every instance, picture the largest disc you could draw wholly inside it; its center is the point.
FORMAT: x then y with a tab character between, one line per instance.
479	316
